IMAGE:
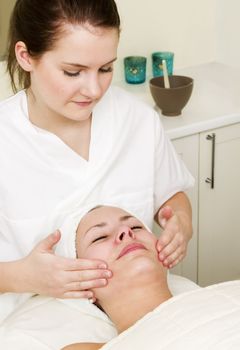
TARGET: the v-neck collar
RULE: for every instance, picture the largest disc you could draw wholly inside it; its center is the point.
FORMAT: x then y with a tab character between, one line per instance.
63	155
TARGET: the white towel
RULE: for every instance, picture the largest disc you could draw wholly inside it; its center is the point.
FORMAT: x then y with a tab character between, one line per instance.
68	227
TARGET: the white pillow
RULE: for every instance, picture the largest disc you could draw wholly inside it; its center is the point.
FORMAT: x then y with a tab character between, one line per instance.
47	323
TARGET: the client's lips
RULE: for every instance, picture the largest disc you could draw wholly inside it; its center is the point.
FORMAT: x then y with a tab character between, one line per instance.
130	247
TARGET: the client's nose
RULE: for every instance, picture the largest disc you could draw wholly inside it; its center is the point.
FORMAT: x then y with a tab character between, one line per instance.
125	232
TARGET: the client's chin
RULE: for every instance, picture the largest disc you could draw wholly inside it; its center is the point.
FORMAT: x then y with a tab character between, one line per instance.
131	282
136	269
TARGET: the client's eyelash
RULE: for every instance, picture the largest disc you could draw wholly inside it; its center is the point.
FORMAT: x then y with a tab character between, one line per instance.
136	227
98	238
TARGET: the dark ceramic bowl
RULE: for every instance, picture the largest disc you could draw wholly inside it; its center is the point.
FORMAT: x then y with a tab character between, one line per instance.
171	101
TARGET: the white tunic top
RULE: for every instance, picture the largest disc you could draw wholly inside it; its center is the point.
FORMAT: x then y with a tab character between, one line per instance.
131	161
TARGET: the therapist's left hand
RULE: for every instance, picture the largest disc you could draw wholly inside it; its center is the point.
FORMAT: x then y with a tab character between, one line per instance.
172	244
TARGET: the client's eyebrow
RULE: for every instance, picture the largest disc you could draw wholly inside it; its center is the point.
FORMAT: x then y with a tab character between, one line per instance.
104	224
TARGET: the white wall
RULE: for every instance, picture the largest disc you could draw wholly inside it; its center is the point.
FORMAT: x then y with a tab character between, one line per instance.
228	32
186	27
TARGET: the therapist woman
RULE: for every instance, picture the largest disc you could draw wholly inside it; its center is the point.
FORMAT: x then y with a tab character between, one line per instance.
66	131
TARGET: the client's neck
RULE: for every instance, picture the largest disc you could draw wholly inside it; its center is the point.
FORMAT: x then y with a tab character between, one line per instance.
132	302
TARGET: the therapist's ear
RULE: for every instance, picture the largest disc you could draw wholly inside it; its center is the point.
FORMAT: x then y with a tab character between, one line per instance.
23	57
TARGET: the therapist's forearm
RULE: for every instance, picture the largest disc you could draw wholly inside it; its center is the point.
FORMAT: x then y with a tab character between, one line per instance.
181	206
10	277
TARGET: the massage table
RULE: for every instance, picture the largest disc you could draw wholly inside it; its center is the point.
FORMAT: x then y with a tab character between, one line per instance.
195	318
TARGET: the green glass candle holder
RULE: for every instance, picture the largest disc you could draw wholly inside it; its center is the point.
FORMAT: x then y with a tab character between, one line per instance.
157	58
135	69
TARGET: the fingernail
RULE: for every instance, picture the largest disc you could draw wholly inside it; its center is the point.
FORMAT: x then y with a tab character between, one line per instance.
107	274
103	282
102	266
89	295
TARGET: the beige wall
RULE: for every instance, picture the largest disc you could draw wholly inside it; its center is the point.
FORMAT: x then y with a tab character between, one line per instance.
228	32
187	27
5	10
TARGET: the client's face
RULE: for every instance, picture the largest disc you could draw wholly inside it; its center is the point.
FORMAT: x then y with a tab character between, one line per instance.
113	235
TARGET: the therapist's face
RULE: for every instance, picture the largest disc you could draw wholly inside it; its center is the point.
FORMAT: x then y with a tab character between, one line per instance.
113	235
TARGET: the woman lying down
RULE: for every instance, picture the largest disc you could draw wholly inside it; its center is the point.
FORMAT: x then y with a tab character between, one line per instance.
137	298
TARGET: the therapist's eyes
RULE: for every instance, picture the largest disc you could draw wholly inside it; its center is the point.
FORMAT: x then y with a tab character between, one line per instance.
77	73
71	74
106	70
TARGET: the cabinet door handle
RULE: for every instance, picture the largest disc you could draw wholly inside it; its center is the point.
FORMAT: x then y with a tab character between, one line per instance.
211	180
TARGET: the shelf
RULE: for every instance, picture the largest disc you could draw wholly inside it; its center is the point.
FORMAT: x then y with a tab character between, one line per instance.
214	102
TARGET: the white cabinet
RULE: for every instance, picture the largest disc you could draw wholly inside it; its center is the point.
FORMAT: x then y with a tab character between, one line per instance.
219	210
214	252
187	148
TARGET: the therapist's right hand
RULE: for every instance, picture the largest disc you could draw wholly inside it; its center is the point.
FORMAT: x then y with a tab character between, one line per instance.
45	273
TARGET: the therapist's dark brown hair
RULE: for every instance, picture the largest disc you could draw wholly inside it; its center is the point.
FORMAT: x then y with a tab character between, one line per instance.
39	24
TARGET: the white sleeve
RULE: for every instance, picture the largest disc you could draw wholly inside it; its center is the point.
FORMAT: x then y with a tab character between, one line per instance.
171	174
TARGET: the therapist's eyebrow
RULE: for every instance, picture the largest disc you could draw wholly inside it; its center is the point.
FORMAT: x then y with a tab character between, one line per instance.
84	66
104	224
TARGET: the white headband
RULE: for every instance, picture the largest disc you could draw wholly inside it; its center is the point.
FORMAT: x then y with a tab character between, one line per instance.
67	245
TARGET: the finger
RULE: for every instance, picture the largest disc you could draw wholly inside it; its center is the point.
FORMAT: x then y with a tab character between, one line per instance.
177	241
177	261
88	275
164	215
48	243
86	285
83	264
165	238
174	256
85	294
169	249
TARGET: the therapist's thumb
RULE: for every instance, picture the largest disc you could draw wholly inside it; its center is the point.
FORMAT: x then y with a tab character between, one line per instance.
164	215
48	243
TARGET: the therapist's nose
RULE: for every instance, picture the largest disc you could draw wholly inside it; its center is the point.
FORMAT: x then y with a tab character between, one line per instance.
92	87
125	233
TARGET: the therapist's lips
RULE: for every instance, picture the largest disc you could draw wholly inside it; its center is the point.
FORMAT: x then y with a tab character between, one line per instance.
83	103
131	247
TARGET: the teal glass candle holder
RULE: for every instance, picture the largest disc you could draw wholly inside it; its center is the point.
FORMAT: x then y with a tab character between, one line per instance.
157	58
135	69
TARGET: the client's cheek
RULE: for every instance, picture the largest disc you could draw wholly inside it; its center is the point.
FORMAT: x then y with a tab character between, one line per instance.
97	252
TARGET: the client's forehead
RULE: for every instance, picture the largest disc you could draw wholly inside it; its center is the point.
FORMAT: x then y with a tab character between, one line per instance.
100	214
105	213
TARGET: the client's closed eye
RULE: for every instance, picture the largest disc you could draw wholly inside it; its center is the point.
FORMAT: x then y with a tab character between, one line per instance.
136	227
99	238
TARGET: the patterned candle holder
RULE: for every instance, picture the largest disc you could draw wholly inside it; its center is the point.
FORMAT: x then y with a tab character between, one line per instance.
157	58
135	69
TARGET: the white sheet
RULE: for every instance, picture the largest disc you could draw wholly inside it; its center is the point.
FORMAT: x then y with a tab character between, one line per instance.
203	319
45	323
